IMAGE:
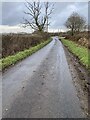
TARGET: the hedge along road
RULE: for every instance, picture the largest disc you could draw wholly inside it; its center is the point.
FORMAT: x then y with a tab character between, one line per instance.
41	86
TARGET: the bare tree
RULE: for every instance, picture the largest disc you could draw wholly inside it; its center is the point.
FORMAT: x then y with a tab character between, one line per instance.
75	23
39	14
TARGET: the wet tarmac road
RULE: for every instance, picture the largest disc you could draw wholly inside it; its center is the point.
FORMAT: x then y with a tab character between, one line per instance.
41	86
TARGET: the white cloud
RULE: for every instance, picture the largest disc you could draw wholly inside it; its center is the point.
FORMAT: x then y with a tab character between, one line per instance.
56	30
18	29
13	29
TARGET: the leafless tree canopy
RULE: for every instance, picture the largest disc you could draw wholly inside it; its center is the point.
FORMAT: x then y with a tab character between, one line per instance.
38	15
75	23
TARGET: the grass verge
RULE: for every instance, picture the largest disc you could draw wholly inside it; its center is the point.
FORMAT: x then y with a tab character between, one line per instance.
10	60
79	51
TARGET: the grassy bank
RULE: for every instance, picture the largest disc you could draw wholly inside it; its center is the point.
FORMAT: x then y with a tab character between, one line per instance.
79	51
10	60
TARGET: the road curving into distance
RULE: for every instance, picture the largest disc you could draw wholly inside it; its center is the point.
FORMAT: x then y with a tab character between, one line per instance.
41	86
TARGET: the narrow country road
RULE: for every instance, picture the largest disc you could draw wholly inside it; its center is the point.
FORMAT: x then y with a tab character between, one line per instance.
41	86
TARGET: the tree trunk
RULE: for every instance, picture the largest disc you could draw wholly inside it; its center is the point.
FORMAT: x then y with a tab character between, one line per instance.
72	32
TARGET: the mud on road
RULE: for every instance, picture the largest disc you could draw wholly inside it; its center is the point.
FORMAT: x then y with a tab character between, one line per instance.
80	79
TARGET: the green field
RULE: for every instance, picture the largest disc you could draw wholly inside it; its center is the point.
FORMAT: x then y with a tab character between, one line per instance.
81	52
10	60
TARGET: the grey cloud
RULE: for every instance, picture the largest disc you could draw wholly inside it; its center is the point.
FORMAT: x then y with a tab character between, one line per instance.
12	12
60	17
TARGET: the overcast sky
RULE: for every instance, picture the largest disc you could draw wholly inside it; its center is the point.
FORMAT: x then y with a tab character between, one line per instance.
12	15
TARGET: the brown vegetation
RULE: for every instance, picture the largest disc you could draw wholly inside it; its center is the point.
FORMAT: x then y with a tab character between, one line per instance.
13	43
81	38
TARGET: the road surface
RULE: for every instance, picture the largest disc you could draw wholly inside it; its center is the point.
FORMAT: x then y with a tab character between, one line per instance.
41	86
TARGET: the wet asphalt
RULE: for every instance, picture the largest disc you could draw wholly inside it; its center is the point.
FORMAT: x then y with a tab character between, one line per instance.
41	86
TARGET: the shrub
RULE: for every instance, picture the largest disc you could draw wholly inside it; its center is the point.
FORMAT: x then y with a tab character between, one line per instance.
13	43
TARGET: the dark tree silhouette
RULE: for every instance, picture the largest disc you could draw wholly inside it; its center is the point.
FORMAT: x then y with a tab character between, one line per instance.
39	14
75	23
